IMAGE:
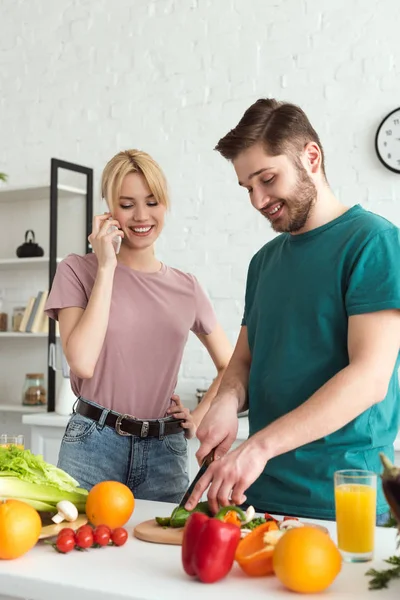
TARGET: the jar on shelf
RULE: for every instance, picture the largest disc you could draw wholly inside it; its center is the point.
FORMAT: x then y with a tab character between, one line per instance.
3	321
34	392
18	313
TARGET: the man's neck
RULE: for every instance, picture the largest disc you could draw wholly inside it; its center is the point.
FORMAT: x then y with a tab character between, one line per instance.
326	208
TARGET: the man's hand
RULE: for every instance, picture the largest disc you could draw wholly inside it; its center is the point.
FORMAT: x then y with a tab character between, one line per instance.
218	429
230	477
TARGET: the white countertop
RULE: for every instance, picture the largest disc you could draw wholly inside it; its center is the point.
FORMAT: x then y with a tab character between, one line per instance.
143	571
49	419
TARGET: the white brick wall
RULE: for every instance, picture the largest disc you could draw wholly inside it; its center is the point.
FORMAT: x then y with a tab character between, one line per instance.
83	80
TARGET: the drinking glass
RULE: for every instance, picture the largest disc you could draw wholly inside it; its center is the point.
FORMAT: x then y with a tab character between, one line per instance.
17	440
355	501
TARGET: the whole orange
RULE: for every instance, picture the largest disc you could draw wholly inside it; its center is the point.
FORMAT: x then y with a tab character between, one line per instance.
110	503
20	527
306	560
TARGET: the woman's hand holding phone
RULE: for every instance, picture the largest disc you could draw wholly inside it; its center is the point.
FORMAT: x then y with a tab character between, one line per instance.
103	239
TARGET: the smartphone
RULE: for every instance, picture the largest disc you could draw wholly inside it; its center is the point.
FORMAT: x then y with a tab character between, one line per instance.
117	240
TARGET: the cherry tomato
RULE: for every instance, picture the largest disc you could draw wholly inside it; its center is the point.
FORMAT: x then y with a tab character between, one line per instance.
66	531
84	528
65	543
105	527
101	535
269	517
119	536
84	538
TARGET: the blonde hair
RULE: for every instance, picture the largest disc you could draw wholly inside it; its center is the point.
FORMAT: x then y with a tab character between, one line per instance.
133	161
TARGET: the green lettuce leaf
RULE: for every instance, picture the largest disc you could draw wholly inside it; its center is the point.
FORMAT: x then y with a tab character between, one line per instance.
30	478
29	467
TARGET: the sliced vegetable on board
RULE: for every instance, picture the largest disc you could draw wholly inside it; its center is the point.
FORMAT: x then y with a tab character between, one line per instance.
255	551
180	515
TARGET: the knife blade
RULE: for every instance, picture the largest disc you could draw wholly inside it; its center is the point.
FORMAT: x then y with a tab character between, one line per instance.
204	466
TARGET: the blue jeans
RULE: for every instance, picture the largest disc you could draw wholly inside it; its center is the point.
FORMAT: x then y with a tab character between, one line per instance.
153	469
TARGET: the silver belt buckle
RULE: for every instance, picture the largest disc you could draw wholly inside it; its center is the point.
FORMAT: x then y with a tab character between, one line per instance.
144	432
118	424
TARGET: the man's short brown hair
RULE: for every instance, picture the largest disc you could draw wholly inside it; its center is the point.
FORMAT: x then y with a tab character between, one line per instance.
281	127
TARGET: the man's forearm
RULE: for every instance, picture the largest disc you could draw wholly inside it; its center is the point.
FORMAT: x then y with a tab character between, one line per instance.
348	394
234	383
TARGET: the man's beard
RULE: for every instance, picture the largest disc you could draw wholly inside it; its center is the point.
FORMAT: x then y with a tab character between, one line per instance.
298	205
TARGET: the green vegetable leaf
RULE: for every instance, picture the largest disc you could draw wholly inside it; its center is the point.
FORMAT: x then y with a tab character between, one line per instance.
380	579
27	477
28	467
254	523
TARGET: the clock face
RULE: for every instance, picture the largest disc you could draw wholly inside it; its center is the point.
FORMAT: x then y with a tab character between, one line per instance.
387	141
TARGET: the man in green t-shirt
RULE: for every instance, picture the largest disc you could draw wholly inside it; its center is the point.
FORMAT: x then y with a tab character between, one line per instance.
317	357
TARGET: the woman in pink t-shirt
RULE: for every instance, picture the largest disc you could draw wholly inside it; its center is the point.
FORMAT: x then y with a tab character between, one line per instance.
124	321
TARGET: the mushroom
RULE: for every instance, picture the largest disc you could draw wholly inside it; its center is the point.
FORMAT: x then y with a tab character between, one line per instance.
66	512
290	524
249	514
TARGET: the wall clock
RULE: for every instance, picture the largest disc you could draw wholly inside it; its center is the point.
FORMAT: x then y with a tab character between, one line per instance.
387	141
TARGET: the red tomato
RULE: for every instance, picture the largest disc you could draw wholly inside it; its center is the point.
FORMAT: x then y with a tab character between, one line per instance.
105	528
86	528
67	531
84	538
101	535
65	543
269	517
119	536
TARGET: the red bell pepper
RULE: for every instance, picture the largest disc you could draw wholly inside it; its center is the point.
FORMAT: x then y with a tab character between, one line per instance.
209	545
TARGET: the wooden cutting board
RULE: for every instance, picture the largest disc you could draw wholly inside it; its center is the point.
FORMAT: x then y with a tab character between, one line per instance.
50	529
150	531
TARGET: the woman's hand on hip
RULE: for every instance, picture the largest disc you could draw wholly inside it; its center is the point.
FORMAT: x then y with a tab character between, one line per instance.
102	242
181	412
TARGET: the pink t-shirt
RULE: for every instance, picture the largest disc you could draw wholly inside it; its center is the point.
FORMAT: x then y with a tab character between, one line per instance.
150	318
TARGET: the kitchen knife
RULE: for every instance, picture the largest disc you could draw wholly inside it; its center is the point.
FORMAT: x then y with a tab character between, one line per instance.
204	466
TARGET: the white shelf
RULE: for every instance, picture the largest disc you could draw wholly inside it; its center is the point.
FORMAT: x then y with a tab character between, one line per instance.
11	263
20	334
38	192
19	408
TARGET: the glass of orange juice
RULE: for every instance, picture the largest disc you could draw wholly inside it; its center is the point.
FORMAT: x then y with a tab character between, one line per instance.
15	440
355	501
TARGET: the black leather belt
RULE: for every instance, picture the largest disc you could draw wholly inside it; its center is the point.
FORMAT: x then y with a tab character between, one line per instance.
128	425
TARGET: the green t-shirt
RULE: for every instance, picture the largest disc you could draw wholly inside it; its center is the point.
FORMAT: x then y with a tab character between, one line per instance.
301	290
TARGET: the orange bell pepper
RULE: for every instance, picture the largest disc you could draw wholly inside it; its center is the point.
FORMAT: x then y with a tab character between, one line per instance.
253	555
232	517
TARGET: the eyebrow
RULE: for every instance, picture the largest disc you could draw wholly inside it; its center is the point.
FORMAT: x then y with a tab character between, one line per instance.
132	198
256	173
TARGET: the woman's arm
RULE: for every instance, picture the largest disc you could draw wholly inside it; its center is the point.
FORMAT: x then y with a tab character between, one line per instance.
220	350
82	331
